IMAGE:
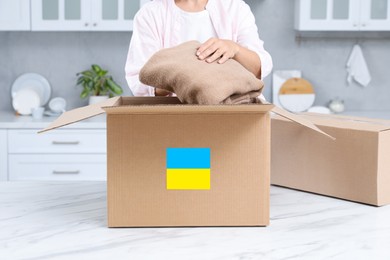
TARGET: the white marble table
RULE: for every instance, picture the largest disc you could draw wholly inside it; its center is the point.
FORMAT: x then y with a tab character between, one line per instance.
67	220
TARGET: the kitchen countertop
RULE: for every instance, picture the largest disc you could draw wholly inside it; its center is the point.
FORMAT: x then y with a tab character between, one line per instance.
379	114
67	220
8	120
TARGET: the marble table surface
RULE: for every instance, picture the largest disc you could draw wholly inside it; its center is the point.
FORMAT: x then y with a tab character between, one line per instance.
67	220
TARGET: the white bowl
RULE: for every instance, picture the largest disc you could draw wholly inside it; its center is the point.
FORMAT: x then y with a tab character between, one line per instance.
57	105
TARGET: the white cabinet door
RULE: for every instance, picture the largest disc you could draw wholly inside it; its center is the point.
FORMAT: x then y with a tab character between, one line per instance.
14	15
327	15
114	15
52	167
58	141
61	15
3	155
84	15
375	15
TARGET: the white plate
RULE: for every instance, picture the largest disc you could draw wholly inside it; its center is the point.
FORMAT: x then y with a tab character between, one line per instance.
25	100
297	102
33	81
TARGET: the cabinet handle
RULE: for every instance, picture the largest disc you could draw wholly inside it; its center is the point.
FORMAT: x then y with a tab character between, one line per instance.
86	24
65	143
66	172
95	24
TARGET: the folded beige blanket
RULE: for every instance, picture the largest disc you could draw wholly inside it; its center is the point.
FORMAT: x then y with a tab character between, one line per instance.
179	70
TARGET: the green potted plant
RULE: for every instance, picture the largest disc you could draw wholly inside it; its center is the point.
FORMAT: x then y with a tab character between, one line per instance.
97	84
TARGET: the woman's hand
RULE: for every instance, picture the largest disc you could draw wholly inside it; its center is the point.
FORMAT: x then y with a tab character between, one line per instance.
217	49
222	50
161	92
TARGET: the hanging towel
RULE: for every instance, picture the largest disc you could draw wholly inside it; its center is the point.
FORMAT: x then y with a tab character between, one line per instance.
357	67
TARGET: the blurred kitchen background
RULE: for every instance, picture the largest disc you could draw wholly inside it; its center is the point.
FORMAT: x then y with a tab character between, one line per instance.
312	39
321	54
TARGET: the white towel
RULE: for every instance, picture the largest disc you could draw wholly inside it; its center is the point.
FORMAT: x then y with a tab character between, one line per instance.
357	67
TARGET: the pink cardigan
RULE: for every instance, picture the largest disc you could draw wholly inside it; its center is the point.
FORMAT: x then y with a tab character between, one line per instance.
157	26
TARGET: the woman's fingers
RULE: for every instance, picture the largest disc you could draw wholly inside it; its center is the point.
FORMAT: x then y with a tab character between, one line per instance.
224	58
200	53
216	49
215	56
208	52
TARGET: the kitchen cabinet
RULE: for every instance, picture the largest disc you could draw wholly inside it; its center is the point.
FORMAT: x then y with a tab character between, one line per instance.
342	15
115	15
76	154
60	15
15	15
3	155
375	15
57	167
57	142
84	15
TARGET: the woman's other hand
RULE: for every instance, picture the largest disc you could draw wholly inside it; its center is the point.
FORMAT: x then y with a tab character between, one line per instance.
216	49
161	92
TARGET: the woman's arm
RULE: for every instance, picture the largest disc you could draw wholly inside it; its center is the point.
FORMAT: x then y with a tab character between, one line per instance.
247	48
248	37
145	41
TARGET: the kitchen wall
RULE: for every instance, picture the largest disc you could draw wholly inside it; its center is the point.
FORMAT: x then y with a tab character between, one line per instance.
58	56
321	56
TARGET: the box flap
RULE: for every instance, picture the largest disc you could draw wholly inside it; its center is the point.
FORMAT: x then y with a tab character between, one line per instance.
81	113
349	122
172	105
299	119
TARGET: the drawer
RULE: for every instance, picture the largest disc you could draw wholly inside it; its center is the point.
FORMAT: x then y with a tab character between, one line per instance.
57	141
57	167
3	155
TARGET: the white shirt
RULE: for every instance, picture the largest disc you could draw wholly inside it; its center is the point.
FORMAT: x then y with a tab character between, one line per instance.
157	25
196	26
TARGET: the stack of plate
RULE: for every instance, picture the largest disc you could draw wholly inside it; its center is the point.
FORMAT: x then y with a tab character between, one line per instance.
30	91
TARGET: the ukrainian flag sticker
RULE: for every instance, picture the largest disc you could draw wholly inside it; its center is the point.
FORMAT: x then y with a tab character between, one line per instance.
188	168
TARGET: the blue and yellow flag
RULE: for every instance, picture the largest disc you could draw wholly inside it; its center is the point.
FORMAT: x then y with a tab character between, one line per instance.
188	168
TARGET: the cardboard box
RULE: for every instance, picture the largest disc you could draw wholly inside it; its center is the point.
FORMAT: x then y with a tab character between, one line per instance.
171	164
356	166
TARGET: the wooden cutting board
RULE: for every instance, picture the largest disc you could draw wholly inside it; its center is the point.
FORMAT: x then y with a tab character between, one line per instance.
296	86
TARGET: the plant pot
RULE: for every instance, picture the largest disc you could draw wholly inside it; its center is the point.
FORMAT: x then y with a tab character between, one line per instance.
96	99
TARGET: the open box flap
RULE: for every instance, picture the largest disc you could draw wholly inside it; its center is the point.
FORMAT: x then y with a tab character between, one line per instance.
80	114
148	105
349	122
299	119
172	105
111	106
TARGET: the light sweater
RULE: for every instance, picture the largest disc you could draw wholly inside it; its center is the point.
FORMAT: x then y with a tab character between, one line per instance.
158	25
